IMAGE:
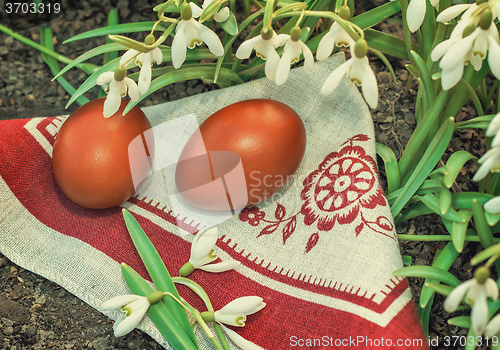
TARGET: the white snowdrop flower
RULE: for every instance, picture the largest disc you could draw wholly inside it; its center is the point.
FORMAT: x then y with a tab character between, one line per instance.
220	16
493	206
235	313
337	35
493	327
454	11
265	47
359	71
490	162
493	130
476	291
118	87
415	13
134	307
203	253
144	60
291	54
189	34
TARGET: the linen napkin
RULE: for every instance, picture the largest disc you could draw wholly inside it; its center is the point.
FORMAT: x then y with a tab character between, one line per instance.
320	252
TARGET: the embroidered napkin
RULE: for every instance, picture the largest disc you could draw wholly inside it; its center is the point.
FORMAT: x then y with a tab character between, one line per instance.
320	253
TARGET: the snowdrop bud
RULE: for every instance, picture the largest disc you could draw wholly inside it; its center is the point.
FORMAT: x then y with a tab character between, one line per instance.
186	269
468	30
482	274
485	20
345	12
360	48
186	11
155	297
295	33
266	35
150	39
208	316
120	73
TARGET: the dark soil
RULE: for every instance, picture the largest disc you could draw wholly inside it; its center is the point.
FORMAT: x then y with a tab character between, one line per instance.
38	314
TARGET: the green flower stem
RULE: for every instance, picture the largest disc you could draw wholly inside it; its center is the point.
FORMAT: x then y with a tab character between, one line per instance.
483	229
439	238
86	67
198	318
475	98
406	30
195	287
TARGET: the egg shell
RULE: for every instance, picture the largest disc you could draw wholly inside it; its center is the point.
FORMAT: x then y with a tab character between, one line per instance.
268	136
91	155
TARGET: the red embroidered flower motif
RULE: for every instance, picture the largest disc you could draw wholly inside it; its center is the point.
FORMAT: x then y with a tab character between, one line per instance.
343	182
253	215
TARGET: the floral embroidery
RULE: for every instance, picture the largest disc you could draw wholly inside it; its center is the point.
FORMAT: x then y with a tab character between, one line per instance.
345	183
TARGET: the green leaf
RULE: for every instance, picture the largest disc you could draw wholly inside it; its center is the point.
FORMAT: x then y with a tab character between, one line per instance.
445	200
428	161
159	313
454	165
439	288
463	200
459	230
460	321
406	260
492	219
46	41
230	25
443	261
485	254
413	70
424	316
433	202
158	272
89	54
428	272
427	85
118	29
386	43
391	166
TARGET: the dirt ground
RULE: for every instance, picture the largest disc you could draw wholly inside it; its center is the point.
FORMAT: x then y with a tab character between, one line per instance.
38	314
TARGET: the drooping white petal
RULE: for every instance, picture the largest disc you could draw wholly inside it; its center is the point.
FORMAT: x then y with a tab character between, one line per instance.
272	61
225	265
113	100
455	298
369	88
475	60
239	340
485	168
157	55
280	39
496	140
494	57
133	90
127	56
222	15
415	14
493	32
451	77
491	153
442	48
233	319
479	313
179	46
204	242
212	40
139	308
357	70
196	10
283	70
491	288
456	53
335	77
145	75
327	42
308	57
493	327
105	77
119	301
451	12
246	47
245	305
192	33
493	206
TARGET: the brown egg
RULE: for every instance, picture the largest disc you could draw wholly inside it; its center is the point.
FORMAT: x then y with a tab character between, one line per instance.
93	160
261	141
